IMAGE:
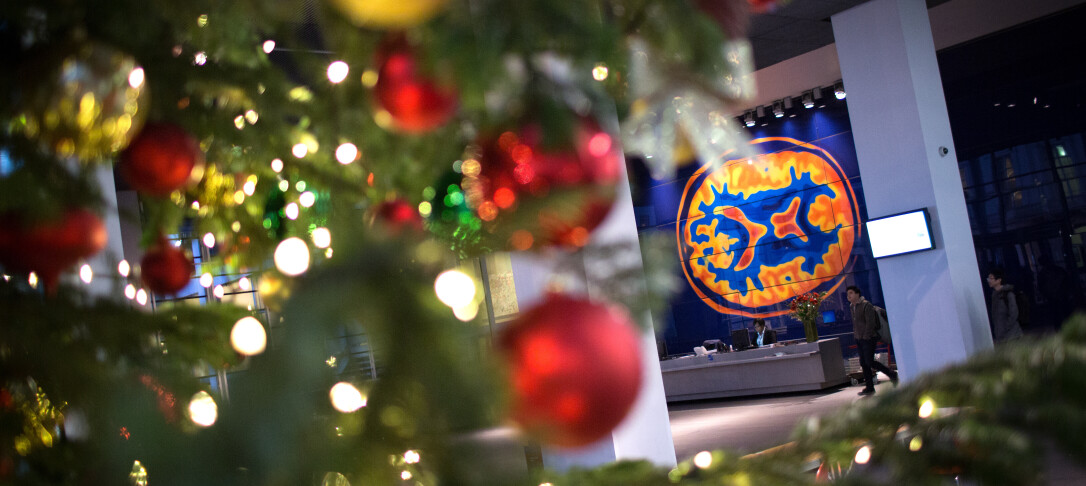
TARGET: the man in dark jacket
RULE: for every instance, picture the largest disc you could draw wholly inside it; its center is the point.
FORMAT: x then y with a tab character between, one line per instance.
865	325
1004	311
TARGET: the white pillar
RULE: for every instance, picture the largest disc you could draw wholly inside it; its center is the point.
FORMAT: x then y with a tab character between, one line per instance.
935	299
645	434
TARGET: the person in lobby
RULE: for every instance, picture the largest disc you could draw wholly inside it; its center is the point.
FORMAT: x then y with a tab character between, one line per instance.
762	336
1004	311
865	328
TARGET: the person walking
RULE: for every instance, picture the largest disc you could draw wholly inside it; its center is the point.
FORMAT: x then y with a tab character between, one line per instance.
865	328
1004	310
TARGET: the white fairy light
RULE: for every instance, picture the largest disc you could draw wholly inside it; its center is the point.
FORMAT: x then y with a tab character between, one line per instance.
124	268
203	410
291	211
86	274
346	398
346	153
863	455
277	165
322	238
245	284
130	291
299	150
209	240
703	459
269	46
248	336
307	199
206	280
135	78
219	292
337	72
292	256
454	288
141	297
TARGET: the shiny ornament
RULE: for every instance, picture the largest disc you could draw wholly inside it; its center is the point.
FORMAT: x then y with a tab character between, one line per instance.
569	190
161	159
49	247
575	369
89	103
166	269
398	215
389	13
414	102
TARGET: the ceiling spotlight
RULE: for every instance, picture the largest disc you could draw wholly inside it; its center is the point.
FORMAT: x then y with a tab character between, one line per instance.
839	90
748	119
808	99
778	109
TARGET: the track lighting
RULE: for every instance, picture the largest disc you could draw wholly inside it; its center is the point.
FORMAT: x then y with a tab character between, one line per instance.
839	90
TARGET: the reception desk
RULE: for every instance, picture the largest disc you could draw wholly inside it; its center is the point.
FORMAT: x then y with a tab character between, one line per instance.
797	367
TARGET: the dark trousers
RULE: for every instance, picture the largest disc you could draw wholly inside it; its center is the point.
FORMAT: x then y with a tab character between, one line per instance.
867	362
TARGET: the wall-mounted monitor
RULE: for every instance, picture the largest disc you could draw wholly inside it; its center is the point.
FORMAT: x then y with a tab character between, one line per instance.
899	234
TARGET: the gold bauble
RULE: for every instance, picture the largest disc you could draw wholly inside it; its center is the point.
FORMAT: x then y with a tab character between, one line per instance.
389	14
89	104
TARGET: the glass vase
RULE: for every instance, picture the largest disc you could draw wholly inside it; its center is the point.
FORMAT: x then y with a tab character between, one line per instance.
810	330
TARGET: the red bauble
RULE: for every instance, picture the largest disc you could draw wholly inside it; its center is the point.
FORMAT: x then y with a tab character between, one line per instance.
47	248
575	368
166	269
161	159
572	189
416	103
399	215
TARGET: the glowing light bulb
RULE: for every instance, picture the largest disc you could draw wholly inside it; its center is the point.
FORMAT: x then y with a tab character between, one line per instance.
245	284
291	211
130	291
277	165
135	78
466	313
927	408
454	288
248	336
337	72
307	199
249	187
284	186
292	256
219	291
203	410
863	455
86	274
200	58
252	117
206	280
299	150
32	279
346	153
209	240
322	238
916	443
239	122
141	297
346	398
704	459
269	46
599	73
406	475
411	457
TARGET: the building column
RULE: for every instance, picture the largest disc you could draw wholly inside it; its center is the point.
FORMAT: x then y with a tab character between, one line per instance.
645	434
935	299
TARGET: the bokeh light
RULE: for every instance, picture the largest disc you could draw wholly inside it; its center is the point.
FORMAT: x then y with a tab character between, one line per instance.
209	240
299	150
454	288
135	78
307	199
346	398
141	297
292	256
245	284
219	292
130	291
206	280
599	73
927	407
277	165
124	268
269	46
203	410
291	211
411	457
248	336
322	238
703	459
346	153
337	72
863	455
86	274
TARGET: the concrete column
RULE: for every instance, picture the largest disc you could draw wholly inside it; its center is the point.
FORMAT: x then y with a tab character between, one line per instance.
935	299
646	431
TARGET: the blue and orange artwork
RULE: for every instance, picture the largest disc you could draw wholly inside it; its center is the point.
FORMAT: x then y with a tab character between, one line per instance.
754	233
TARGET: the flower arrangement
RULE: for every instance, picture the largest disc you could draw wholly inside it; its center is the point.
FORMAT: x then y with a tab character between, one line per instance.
804	308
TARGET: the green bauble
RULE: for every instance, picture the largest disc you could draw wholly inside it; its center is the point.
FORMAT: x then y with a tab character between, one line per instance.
90	102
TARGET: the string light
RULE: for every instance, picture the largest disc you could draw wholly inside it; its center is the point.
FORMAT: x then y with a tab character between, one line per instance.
466	313
307	199
406	475
203	410
141	297
599	73
135	78
206	280
346	398
209	240
248	336
863	455
291	211
86	274
277	165
322	238
130	291
219	292
299	150
927	407
346	153
411	457
454	288
703	459
292	256
252	117
200	58
245	284
337	72
269	46
250	186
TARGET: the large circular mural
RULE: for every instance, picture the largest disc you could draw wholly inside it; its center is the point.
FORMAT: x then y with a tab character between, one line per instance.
756	232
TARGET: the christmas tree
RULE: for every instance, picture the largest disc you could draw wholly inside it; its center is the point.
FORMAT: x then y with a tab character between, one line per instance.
348	154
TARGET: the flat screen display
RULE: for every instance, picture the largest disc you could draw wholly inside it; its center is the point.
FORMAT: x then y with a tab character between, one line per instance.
900	234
